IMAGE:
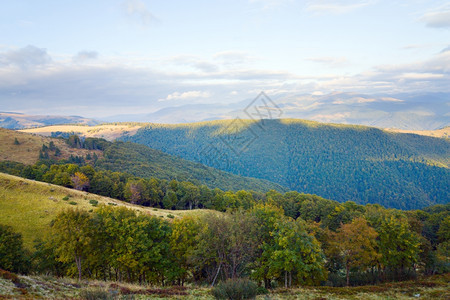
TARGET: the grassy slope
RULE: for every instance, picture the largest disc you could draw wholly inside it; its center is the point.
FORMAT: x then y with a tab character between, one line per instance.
29	206
440	133
434	287
108	132
27	151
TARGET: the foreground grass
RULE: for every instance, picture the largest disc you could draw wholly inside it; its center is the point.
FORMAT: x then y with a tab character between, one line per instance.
29	206
32	287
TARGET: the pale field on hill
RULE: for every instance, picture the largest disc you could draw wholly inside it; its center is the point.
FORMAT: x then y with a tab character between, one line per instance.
27	151
108	132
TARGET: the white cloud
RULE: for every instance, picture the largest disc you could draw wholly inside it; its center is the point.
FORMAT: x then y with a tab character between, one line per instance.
84	56
26	57
270	4
437	19
336	7
391	99
113	85
195	62
137	9
233	57
330	61
420	76
187	95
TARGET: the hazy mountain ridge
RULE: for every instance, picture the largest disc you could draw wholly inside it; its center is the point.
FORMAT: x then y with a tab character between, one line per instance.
13	120
401	111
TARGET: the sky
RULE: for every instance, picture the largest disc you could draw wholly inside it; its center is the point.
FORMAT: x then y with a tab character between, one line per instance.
99	58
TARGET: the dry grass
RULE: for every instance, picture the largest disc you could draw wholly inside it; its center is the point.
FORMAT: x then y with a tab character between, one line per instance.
109	132
435	287
440	133
29	206
27	151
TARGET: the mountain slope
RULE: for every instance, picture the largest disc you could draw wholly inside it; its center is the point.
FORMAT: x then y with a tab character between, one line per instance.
143	161
29	206
135	159
12	120
339	162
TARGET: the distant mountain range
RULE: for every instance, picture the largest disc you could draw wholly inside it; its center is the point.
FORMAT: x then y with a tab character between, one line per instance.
13	120
428	111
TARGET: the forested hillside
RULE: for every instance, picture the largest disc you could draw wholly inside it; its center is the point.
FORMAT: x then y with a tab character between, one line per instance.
135	159
340	162
143	161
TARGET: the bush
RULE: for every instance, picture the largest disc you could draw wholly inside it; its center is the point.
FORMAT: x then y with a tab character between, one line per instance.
170	216
72	203
65	198
13	256
94	294
239	288
93	202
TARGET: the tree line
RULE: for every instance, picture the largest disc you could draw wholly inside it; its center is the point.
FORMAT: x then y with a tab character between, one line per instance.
369	245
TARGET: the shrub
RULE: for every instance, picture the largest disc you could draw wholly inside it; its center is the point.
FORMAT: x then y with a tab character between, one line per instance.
94	294
113	204
170	216
65	198
93	202
72	203
239	288
13	256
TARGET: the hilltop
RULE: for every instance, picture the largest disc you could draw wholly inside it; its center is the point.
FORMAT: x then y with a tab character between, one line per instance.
13	120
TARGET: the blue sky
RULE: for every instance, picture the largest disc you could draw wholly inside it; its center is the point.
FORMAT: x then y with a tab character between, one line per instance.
106	57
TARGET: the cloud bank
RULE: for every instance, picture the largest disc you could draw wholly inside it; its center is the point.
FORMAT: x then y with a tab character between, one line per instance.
33	81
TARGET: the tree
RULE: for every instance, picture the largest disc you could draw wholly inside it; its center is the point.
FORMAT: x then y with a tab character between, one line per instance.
16	141
80	181
399	246
226	245
57	151
13	256
356	244
183	243
51	146
293	251
72	236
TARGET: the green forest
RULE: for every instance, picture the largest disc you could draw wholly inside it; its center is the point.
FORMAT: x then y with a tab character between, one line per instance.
340	162
342	245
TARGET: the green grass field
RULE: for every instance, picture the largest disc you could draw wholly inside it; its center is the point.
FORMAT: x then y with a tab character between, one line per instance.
29	206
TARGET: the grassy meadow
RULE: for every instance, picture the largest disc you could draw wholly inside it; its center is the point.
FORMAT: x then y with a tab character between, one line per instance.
29	206
106	131
27	151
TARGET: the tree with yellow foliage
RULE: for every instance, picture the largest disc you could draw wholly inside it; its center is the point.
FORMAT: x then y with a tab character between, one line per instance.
356	244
